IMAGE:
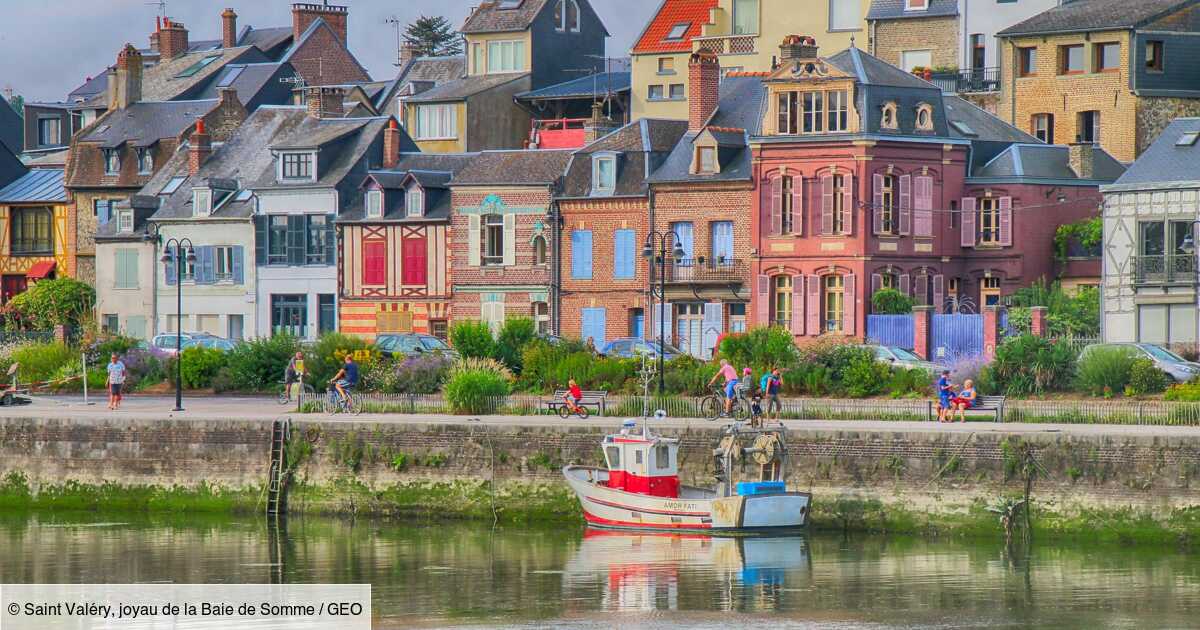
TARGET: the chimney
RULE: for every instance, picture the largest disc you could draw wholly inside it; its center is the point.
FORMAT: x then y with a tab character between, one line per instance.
704	88
172	39
391	145
599	125
325	102
200	147
304	14
154	35
408	52
228	28
798	48
125	80
1083	159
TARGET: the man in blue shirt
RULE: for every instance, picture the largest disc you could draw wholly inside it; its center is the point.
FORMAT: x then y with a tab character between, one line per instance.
346	378
945	391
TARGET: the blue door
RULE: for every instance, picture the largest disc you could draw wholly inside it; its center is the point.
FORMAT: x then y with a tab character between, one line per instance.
593	326
637	324
684	236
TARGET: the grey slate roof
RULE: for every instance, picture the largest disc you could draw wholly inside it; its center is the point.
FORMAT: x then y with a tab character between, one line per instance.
12	128
518	168
894	10
489	17
589	86
984	125
461	88
251	79
741	106
871	70
38	185
641	145
144	207
144	123
1092	15
434	171
343	142
265	39
1043	161
1165	163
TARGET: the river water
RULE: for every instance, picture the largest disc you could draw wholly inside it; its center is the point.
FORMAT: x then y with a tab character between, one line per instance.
469	575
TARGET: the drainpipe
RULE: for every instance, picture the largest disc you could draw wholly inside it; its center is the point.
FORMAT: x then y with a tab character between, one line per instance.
649	309
1013	60
555	296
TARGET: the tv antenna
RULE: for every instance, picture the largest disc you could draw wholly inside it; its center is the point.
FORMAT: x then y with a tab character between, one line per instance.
162	7
396	25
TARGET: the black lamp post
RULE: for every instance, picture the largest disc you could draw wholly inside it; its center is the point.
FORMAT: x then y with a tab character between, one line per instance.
171	250
659	258
1189	247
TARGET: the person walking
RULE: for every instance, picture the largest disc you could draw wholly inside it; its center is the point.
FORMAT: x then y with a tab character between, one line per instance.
771	384
731	381
945	392
116	378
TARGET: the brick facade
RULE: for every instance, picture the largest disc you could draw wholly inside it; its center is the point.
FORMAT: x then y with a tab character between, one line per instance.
939	35
323	59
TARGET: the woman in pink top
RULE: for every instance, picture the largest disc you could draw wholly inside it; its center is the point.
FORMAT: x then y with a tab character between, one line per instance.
731	382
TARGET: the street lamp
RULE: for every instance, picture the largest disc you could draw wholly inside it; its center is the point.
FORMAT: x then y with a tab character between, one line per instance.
171	250
660	258
1188	246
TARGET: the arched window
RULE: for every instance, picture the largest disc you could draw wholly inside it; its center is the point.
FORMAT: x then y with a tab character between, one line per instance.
539	250
566	16
924	117
888	119
834	299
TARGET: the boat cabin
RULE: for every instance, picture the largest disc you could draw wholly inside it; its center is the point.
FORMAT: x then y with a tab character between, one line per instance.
643	465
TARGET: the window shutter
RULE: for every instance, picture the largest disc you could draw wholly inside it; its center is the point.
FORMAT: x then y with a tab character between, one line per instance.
581	255
260	240
939	292
624	265
905	205
876	283
295	240
906	284
1006	219
415	261
239	272
797	205
827	204
968	221
851	306
510	240
877	204
474	240
594	325
798	309
813	305
375	263
662	314
922	293
923	206
762	307
172	274
776	205
331	253
204	265
847	204
714	323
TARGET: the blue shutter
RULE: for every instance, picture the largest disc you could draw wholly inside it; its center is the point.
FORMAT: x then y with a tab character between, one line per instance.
206	272
593	326
722	241
170	266
684	236
623	265
239	273
581	255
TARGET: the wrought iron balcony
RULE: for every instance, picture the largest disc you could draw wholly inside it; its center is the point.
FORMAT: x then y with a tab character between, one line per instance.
726	44
706	271
968	81
1164	269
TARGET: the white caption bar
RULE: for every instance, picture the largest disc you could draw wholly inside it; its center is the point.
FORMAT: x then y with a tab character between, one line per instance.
185	606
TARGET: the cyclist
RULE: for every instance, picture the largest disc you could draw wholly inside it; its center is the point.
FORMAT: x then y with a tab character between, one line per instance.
293	374
346	378
731	382
573	396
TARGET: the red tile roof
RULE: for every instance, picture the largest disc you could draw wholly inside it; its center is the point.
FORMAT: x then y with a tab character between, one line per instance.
673	12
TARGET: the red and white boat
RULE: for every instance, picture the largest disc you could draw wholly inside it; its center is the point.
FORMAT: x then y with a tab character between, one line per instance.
640	489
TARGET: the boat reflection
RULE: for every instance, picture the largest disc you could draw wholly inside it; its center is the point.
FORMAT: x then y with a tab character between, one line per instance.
635	571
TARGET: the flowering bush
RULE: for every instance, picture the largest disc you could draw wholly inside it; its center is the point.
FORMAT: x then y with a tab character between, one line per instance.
415	374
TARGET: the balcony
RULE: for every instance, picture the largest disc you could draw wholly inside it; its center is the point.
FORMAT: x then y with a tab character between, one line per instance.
559	133
1164	269
974	81
726	44
704	271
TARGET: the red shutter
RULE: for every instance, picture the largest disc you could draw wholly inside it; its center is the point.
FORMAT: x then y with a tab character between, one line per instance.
1006	219
905	205
847	204
415	262
776	201
923	206
798	205
877	205
827	204
968	221
851	305
939	292
375	263
905	284
814	305
798	305
762	310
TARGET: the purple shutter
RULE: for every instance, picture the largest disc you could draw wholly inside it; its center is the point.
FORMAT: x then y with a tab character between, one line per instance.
877	205
968	221
798	205
922	293
905	205
827	204
923	206
762	311
851	306
814	305
876	283
1006	218
905	284
798	305
939	292
847	204
776	201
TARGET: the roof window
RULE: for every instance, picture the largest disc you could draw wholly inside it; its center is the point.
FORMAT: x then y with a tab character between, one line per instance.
678	31
198	66
1187	139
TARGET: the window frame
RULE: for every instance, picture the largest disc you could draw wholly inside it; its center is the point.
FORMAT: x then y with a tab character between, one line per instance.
660	88
297	166
1064	59
145	161
1088	126
277	260
562	14
841	28
833	304
1098	51
436	121
374	201
787	208
600	184
112	161
31	244
676	92
125	221
414	201
679	27
733	19
666	66
890	210
496	56
1155	51
838	182
706	159
782	300
43	140
989	221
916	5
1048	131
924	110
491	240
223	257
1027	61
315	246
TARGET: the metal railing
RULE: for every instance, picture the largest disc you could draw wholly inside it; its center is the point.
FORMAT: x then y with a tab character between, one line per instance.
968	81
702	270
726	44
1164	269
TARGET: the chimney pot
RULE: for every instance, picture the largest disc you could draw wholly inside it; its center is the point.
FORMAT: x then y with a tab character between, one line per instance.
228	28
391	145
408	52
125	80
172	39
704	87
305	13
199	148
325	102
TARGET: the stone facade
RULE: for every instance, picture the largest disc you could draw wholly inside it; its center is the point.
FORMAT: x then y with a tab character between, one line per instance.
1154	113
939	35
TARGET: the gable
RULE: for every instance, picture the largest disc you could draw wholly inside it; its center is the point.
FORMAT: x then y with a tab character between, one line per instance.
321	59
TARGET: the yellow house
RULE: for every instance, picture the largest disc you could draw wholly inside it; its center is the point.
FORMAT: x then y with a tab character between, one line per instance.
745	35
36	231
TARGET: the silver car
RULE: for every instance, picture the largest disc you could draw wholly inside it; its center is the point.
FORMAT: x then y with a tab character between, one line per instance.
899	357
1177	367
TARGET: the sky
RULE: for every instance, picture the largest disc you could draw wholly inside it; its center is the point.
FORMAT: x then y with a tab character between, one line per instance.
49	47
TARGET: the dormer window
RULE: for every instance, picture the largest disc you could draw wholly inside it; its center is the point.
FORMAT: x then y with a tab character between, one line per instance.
145	161
125	221
887	119
296	166
706	160
112	162
916	5
604	174
566	16
374	204
924	117
201	202
414	202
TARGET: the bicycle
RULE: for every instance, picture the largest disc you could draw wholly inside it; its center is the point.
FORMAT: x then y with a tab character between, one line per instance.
347	404
713	405
285	392
565	411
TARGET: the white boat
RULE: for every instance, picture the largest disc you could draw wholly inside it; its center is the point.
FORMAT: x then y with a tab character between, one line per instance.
640	489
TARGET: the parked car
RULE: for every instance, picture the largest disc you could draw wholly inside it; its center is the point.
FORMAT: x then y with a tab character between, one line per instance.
1179	369
225	345
900	357
163	344
632	347
412	343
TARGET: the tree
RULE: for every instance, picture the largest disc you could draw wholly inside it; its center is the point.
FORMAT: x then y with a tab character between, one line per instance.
891	302
49	303
433	37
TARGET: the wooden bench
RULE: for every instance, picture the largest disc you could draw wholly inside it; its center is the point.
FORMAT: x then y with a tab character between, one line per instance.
596	399
988	404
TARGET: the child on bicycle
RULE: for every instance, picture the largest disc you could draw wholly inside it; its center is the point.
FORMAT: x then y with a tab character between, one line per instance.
573	396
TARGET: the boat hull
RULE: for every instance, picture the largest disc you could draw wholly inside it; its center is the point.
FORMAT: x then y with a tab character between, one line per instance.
694	510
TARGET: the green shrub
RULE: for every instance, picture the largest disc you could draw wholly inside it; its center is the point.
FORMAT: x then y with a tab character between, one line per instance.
1104	371
1184	392
41	361
538	360
326	357
760	349
905	382
515	334
257	365
863	376
891	302
1145	378
1026	365
475	390
686	376
813	380
199	365
1073	315
49	303
473	340
102	350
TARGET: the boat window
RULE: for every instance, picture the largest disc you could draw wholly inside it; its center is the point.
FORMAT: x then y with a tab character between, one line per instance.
638	458
614	457
662	457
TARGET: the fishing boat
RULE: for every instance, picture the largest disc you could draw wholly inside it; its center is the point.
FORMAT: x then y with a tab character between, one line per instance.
639	487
